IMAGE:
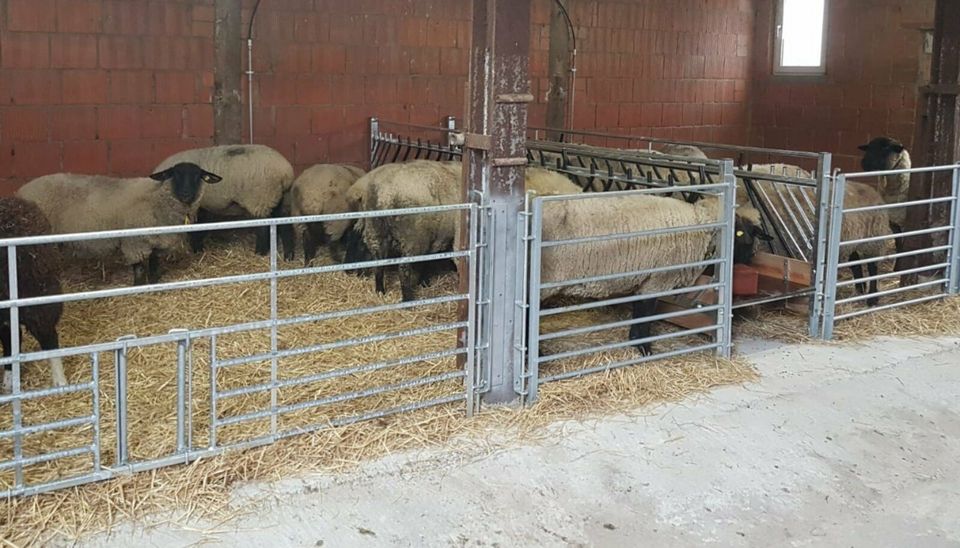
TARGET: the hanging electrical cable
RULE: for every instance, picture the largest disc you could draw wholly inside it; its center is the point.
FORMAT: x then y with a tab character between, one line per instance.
253	17
573	59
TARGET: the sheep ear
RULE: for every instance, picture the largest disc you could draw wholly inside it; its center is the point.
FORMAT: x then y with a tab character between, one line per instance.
161	176
896	147
211	178
759	234
864	147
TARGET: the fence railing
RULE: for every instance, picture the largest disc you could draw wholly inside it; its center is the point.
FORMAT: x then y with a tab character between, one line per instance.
392	142
251	393
854	247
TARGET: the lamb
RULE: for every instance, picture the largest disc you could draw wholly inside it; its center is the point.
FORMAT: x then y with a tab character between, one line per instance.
420	183
856	226
38	274
90	203
255	178
322	190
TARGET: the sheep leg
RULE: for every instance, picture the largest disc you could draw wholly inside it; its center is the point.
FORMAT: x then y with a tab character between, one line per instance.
153	268
309	246
197	238
7	369
378	280
642	309
872	269
284	232
48	339
857	271
409	278
263	240
898	243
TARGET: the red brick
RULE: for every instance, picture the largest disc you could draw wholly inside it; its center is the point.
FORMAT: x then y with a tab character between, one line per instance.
118	122
362	60
125	17
79	15
425	61
199	121
24	124
327	120
31	15
329	59
120	52
293	121
203	13
608	115
73	124
673	114
313	90
161	121
73	51
264	121
162	53
651	114
279	90
202	29
84	87
294	58
89	157
712	114
30	87
21	50
380	90
132	158
311	150
176	87
36	159
692	114
131	87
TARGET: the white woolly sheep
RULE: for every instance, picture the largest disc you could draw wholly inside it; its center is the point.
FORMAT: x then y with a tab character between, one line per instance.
38	275
90	203
322	190
255	178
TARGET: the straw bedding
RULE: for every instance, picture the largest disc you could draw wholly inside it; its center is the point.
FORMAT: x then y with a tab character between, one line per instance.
202	488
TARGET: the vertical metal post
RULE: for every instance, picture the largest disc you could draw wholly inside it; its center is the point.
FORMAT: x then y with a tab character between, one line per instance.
820	240
955	234
181	390
833	255
13	292
374	135
273	330
522	307
469	366
494	158
212	442
120	370
725	269
95	380
533	315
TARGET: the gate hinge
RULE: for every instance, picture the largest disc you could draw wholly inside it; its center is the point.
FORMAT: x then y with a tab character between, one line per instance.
477	141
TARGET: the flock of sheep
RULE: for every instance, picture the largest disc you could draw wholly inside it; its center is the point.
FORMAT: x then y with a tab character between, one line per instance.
256	181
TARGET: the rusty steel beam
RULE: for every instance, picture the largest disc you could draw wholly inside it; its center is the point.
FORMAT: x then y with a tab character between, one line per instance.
494	160
938	133
227	106
560	52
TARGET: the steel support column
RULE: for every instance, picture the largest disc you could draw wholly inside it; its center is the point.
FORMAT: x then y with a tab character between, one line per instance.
494	160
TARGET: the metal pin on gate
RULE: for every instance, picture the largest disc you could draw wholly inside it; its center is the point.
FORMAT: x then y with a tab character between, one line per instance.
181	387
15	366
954	260
95	378
212	442
120	368
273	330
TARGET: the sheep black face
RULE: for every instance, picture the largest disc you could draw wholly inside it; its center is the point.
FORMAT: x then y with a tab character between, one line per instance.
187	180
745	240
881	154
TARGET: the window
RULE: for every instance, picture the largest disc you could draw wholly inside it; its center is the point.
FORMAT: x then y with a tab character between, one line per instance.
799	44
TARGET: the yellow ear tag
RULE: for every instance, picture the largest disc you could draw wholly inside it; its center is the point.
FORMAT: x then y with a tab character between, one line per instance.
186	220
739	233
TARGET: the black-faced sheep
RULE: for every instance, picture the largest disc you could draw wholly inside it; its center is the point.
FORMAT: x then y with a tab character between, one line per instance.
38	274
322	190
255	178
89	203
886	154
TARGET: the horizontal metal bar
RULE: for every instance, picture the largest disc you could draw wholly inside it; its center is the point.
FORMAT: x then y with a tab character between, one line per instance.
886	173
226	280
761	177
417	126
345	343
623	344
406	408
703	144
895	274
627	363
887	307
338	373
773	298
228	225
629	235
698	189
340	398
897	236
46	427
898	205
627	323
47	457
894	291
895	256
621	275
625	300
46	392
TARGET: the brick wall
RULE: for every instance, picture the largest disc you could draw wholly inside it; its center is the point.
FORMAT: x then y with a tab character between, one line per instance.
874	63
113	86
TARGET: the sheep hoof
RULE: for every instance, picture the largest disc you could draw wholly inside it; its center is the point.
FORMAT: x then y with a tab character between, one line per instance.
873	301
644	349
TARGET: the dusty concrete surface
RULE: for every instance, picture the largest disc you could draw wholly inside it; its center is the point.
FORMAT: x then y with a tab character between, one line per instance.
837	446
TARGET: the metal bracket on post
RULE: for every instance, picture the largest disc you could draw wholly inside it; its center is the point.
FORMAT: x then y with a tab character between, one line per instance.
120	369
955	234
839	185
374	135
182	381
725	270
820	240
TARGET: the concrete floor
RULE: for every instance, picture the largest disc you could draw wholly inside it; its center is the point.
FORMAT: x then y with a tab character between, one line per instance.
836	446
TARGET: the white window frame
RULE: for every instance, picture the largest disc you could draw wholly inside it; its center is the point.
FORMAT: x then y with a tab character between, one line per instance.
778	68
